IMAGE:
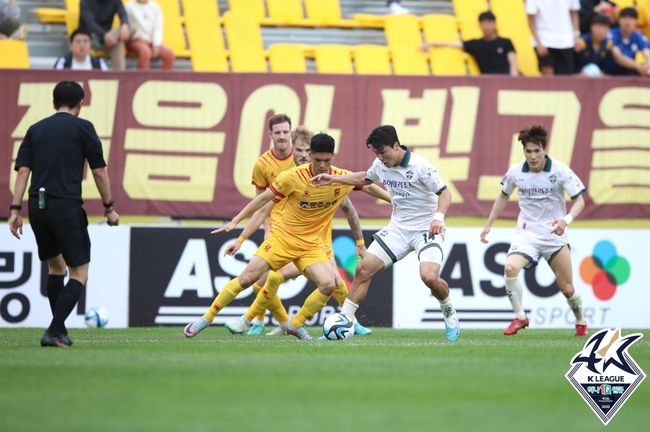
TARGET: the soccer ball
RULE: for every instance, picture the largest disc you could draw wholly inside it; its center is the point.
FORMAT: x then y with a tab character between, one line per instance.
96	317
338	326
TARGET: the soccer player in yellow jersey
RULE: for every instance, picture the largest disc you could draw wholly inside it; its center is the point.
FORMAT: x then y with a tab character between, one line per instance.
296	237
300	138
272	162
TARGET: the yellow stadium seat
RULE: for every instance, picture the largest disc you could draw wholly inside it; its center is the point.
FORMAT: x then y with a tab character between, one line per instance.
626	3
203	31
287	58
253	7
287	12
371	60
244	42
444	60
402	31
472	66
333	59
409	61
15	54
173	35
512	23
369	20
327	13
208	8
48	15
467	12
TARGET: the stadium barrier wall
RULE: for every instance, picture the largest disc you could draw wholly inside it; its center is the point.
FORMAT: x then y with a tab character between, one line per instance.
168	276
183	145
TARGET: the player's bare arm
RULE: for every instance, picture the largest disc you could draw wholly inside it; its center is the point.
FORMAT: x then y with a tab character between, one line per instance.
559	225
499	204
353	179
15	220
378	192
355	225
438	224
254	205
253	225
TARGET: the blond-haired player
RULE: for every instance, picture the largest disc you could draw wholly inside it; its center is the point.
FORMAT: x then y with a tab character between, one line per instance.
296	237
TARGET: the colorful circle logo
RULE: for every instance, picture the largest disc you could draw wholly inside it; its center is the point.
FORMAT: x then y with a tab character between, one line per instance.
345	253
605	270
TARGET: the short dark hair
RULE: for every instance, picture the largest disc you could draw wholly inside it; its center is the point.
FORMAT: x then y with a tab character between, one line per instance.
322	143
601	19
535	133
279	118
385	135
628	12
67	93
79	31
486	16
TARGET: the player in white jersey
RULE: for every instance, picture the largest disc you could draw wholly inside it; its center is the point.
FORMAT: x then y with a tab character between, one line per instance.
542	223
420	200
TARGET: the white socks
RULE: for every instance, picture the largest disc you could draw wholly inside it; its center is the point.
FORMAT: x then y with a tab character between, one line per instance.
575	303
446	307
514	291
349	308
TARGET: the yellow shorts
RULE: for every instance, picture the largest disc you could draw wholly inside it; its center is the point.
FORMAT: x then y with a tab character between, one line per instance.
278	252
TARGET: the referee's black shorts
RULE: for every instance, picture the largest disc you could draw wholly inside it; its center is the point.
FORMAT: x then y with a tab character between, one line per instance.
61	228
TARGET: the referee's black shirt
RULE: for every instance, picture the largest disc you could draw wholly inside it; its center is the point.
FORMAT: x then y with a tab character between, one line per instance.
55	150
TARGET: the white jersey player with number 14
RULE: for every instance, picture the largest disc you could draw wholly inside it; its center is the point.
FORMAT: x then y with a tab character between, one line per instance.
420	200
541	225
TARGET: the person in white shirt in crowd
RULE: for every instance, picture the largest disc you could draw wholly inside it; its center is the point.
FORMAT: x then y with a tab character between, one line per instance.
541	225
79	57
146	20
420	200
555	26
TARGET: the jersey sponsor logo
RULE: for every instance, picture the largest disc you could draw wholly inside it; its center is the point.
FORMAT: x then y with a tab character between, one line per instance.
396	184
604	373
535	191
317	204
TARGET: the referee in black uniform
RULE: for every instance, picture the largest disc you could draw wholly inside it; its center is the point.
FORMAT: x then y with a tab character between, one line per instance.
54	151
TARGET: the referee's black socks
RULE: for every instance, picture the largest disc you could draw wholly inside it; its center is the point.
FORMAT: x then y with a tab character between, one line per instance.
54	288
64	304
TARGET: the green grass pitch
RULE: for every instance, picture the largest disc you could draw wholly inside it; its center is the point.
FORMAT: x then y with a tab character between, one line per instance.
153	379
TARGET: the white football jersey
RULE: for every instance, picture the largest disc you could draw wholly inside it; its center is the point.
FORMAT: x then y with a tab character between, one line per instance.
541	195
413	187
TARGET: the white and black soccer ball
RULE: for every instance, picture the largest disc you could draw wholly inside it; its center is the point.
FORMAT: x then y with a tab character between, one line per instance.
338	326
96	317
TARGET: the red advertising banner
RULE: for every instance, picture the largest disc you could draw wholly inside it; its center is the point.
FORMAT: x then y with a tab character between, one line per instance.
184	144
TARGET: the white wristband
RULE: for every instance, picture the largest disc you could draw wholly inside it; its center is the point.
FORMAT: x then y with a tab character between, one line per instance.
568	219
439	216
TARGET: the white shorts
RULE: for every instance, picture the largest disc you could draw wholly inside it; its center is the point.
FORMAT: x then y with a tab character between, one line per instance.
533	248
391	244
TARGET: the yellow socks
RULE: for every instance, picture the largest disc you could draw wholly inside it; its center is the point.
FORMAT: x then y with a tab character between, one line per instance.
227	294
340	292
268	299
256	289
312	305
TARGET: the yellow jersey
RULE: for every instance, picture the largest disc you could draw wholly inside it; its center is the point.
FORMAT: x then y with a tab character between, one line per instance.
309	209
266	169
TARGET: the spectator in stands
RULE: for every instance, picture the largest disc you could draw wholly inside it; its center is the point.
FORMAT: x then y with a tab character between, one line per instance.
591	8
96	18
556	33
10	26
79	57
493	54
643	8
594	55
396	7
628	43
146	21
